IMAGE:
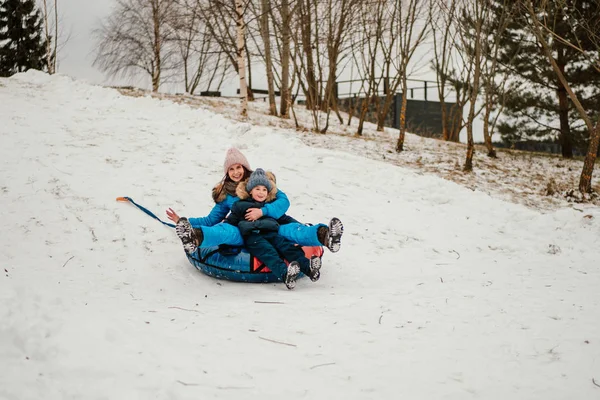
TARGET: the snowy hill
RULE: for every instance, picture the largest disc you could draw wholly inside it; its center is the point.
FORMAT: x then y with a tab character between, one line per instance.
439	292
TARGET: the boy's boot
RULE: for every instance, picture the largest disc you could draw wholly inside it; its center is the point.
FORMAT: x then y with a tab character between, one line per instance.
315	267
293	269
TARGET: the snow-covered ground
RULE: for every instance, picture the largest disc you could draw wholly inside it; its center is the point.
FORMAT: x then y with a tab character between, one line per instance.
439	291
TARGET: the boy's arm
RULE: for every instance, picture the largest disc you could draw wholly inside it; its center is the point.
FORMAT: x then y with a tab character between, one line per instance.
236	215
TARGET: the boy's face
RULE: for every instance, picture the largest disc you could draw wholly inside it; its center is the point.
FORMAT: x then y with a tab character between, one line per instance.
259	193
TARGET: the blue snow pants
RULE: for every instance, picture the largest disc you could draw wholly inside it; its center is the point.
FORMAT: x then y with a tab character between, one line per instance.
271	249
224	233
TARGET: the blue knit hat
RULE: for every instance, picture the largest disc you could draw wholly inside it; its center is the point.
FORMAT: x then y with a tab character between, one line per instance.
258	177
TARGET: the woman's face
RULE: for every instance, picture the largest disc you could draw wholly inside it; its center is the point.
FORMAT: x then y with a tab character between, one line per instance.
236	172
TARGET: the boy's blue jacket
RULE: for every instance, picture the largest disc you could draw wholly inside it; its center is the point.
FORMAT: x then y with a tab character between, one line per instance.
238	212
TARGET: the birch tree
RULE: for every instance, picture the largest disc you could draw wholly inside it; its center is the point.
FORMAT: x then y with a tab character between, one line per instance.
50	15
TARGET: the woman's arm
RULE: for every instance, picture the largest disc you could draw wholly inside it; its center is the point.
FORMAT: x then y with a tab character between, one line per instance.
277	207
216	215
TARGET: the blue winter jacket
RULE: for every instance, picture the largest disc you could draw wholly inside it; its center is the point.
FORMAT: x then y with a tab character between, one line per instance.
276	209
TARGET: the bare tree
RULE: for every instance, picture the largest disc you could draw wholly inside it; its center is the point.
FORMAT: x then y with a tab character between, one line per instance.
383	50
339	28
137	36
453	64
306	16
202	62
264	24
443	16
286	20
54	34
366	48
50	34
493	79
221	20
282	16
225	20
410	36
240	6
475	12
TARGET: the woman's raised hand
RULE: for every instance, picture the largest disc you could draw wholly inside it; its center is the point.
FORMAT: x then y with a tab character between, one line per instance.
172	215
252	214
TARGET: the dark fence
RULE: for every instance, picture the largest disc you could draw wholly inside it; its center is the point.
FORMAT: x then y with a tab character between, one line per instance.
423	117
541	147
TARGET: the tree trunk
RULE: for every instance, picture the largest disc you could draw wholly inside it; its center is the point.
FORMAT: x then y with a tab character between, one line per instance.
456	124
470	145
486	132
157	45
585	181
445	123
285	60
566	142
264	23
48	40
473	95
241	56
363	114
306	24
249	91
402	122
55	52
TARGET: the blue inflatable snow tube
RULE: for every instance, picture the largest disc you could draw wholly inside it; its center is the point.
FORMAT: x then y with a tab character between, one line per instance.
236	264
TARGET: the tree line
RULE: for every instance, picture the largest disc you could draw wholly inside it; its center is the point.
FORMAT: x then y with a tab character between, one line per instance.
527	68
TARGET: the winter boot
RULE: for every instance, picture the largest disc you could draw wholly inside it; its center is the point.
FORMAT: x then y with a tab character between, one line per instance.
190	237
293	269
331	236
315	267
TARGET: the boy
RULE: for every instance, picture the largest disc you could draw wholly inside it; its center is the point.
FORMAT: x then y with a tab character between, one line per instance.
261	237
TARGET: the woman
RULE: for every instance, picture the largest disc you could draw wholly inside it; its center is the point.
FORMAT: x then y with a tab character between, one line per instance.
211	231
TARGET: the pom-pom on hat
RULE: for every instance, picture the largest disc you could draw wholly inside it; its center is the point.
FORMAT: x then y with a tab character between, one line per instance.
234	156
258	178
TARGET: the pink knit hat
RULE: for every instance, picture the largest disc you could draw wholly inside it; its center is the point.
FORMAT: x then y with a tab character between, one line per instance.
234	156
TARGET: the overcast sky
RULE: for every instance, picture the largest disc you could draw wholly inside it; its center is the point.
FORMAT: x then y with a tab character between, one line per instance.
78	19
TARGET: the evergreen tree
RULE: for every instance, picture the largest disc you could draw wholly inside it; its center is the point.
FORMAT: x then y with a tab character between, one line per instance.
537	105
21	37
